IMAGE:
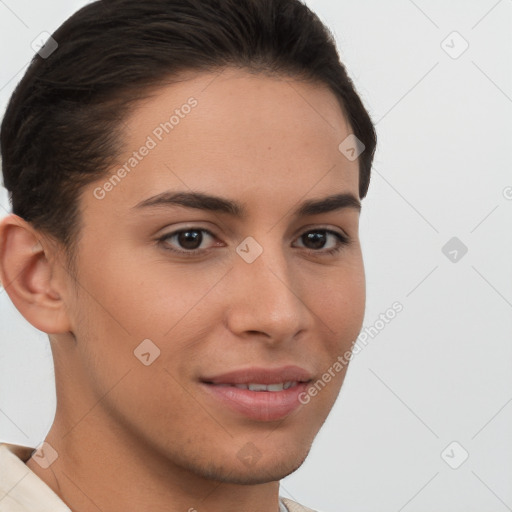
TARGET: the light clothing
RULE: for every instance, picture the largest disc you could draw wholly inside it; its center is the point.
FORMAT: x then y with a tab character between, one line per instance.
21	490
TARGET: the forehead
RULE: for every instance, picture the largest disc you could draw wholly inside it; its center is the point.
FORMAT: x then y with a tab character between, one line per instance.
230	133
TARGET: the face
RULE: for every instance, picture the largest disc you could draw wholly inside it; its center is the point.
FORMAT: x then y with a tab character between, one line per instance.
254	279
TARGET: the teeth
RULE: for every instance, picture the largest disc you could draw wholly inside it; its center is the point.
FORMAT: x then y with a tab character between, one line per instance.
266	387
261	387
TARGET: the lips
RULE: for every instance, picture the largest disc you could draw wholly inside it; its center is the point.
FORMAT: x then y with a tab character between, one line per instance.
261	394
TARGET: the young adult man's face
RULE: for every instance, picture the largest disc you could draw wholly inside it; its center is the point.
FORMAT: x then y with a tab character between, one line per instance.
268	145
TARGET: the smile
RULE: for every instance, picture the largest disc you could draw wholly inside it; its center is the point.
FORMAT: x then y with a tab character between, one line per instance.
260	394
263	387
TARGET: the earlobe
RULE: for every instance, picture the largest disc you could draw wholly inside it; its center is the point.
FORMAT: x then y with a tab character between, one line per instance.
27	273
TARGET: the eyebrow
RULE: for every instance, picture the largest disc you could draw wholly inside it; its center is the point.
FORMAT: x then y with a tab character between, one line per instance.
201	201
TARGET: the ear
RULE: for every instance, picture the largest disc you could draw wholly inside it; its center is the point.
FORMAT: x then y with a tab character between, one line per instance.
29	275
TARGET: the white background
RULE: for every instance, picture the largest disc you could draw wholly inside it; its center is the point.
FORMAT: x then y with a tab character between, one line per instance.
440	371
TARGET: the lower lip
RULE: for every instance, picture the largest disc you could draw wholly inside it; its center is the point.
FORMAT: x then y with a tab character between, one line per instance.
258	405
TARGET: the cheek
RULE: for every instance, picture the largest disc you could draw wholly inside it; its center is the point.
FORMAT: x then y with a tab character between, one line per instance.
146	297
341	308
339	302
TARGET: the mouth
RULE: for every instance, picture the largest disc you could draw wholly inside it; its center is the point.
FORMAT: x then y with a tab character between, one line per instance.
253	386
259	394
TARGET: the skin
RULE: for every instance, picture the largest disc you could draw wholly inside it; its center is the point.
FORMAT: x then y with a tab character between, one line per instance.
135	437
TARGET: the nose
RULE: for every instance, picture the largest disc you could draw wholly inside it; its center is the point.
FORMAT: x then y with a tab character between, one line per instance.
265	298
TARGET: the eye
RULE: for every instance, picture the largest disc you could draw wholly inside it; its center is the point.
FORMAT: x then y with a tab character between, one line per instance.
317	239
189	239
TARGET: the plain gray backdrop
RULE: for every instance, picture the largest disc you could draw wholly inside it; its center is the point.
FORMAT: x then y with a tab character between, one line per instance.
424	418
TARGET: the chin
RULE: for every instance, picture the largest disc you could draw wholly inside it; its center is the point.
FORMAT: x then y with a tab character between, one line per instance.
260	471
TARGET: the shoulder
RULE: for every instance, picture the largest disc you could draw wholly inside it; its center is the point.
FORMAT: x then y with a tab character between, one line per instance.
21	490
21	452
293	506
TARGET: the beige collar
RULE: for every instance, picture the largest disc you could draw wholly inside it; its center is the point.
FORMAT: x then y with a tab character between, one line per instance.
21	490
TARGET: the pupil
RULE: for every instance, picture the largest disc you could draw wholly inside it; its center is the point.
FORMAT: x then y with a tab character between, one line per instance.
317	238
190	239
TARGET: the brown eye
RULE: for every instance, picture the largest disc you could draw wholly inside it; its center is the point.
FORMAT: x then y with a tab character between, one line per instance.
186	241
316	240
190	239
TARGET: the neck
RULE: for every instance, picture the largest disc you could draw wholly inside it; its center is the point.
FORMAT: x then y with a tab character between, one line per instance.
101	467
102	464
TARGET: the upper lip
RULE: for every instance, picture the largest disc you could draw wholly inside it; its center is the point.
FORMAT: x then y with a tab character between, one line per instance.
261	376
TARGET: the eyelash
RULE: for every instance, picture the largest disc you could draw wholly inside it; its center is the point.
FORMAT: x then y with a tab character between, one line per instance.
343	241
